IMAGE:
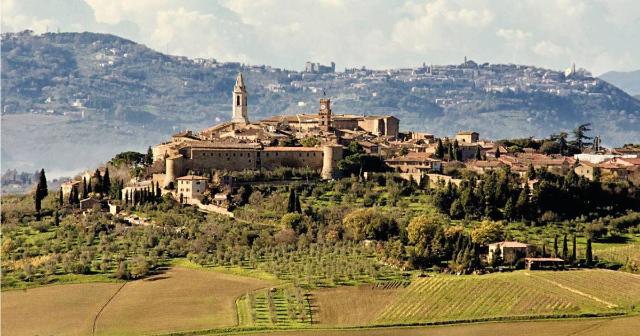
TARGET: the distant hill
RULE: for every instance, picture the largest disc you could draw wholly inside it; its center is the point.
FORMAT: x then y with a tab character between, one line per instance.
72	100
627	81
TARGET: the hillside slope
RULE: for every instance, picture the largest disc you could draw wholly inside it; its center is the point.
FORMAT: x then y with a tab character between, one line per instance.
628	81
71	100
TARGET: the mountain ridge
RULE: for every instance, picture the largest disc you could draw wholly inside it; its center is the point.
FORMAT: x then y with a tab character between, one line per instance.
99	94
629	81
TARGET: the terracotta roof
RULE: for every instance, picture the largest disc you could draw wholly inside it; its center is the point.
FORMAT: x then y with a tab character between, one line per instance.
511	244
192	178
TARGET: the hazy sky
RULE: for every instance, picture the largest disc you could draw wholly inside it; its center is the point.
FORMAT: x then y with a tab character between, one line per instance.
597	35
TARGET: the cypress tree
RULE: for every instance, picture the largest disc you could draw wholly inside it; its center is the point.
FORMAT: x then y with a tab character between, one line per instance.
555	246
60	198
126	197
565	248
106	181
589	252
42	185
89	187
158	190
544	249
85	188
56	218
439	150
291	205
450	151
148	158
40	193
98	187
573	252
497	152
478	154
456	151
531	173
298	206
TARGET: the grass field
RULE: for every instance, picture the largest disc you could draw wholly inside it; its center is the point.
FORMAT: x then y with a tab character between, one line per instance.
621	326
178	300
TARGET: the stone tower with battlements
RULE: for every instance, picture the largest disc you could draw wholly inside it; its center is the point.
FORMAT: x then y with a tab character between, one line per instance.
240	101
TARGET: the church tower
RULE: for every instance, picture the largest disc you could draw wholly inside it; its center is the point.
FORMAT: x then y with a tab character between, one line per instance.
324	120
240	101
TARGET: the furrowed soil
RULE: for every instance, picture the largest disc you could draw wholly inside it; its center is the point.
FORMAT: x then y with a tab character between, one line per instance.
178	300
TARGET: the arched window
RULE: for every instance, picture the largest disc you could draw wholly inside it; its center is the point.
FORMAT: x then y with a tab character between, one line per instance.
237	100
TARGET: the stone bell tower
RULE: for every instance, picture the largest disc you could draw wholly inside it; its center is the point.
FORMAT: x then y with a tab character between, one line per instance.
240	101
324	120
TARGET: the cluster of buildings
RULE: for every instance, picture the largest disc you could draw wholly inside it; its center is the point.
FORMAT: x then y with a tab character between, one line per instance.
318	142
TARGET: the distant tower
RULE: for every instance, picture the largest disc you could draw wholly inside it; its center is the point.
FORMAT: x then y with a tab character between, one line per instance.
324	121
240	101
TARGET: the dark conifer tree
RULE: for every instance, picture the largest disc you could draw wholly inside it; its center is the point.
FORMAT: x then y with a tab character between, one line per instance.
589	253
456	151
497	152
555	246
531	173
439	153
574	255
478	155
291	205
40	193
98	182
85	188
106	181
158	190
60	198
565	248
148	158
450	152
89	186
298	206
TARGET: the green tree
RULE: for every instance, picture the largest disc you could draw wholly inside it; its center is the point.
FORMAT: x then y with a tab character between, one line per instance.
106	181
589	253
581	140
565	248
478	154
60	198
291	205
573	251
369	223
41	192
139	267
487	232
439	153
531	172
456	151
497	155
450	154
148	158
85	188
509	210
555	246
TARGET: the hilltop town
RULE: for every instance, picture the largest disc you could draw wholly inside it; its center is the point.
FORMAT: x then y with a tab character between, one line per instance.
186	164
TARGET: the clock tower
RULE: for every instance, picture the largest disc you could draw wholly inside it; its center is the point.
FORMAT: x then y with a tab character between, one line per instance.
324	120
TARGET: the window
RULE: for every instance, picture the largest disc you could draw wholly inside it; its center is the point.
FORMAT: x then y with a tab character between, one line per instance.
237	100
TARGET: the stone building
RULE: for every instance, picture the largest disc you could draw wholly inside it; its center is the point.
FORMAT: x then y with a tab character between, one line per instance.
191	188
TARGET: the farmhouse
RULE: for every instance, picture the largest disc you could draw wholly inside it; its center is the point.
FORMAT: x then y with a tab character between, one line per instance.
509	251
